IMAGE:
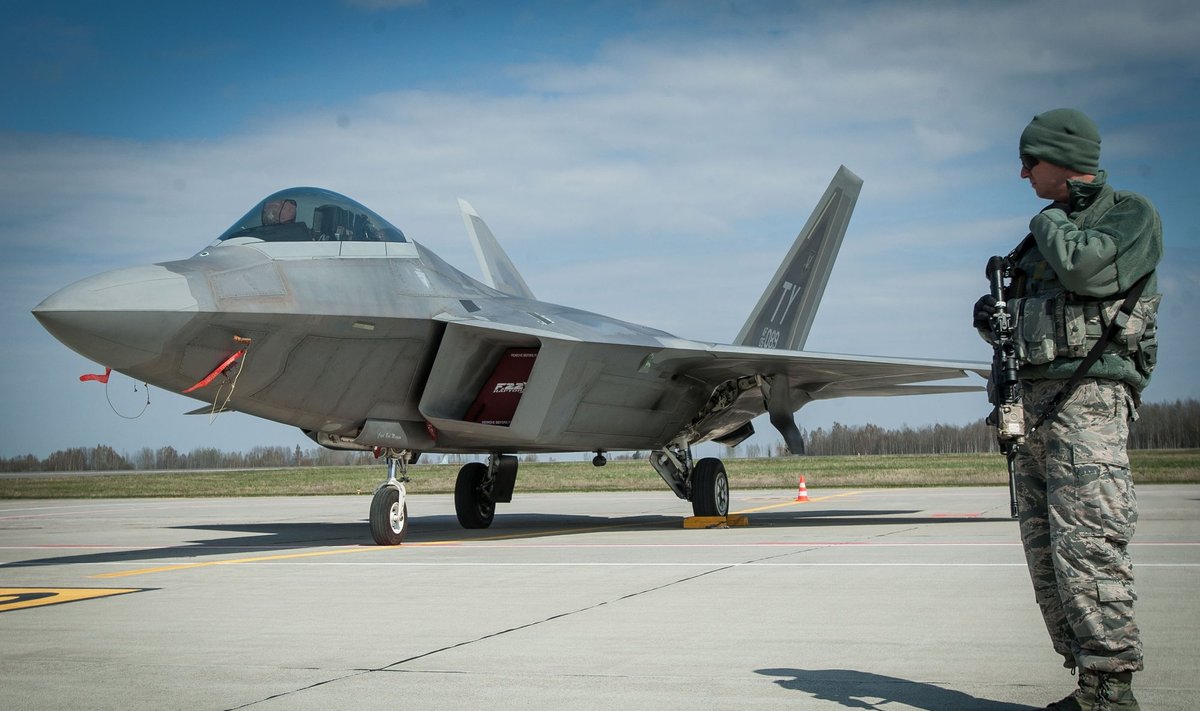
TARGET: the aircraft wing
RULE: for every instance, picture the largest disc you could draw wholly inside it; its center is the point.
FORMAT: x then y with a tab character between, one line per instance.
631	389
825	375
746	382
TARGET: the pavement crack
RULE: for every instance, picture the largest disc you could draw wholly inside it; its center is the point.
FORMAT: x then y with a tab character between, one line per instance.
552	618
562	615
314	685
571	613
500	633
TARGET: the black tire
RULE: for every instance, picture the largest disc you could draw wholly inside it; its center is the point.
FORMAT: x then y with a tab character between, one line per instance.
474	506
710	488
389	519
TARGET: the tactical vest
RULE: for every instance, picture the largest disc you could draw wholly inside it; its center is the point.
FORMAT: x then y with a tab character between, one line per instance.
1051	322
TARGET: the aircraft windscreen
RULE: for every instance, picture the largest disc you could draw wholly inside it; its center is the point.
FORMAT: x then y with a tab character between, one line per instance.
312	215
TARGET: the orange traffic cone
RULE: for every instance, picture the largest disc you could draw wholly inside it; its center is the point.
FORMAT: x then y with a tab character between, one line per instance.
802	493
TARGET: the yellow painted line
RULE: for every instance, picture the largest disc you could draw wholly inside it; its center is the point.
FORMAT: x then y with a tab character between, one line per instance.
534	534
794	502
237	561
357	549
451	542
23	598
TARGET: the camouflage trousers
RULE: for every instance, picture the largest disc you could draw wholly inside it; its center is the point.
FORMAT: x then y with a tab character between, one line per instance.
1078	512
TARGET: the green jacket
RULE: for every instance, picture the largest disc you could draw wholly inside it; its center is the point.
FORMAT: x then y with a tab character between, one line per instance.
1096	246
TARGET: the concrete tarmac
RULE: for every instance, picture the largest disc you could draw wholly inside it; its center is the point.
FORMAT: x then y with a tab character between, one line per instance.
862	599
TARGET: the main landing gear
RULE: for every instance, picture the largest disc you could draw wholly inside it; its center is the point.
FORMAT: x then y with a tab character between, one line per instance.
704	483
710	488
481	486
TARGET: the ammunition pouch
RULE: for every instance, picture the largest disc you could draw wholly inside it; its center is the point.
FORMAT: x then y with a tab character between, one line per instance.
1063	325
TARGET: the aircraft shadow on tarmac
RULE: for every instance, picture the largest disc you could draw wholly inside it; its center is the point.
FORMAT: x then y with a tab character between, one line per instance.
275	537
280	536
853	689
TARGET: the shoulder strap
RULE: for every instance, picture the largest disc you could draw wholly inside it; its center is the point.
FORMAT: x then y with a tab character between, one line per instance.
1023	246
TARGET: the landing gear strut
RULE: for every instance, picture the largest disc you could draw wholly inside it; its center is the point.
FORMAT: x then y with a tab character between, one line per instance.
389	507
704	483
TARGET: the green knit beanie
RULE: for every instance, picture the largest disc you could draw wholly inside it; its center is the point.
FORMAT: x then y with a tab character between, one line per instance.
1064	137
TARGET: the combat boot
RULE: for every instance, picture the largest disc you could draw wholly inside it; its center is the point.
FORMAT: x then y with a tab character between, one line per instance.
1082	699
1114	691
1099	691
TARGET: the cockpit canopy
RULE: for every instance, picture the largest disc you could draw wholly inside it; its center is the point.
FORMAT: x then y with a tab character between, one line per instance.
311	215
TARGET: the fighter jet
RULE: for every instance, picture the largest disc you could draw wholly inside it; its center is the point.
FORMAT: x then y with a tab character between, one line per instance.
314	311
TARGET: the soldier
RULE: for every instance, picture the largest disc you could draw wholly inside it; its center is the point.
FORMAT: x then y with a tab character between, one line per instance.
1090	252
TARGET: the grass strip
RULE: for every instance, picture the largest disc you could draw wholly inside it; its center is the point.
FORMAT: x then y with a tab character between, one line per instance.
1149	467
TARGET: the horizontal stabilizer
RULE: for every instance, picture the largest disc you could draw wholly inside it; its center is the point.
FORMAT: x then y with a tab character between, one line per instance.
498	270
785	313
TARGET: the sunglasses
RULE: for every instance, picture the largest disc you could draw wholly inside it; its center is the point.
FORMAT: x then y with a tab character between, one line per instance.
1027	161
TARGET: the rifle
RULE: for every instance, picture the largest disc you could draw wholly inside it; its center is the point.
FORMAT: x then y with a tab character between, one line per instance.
1008	416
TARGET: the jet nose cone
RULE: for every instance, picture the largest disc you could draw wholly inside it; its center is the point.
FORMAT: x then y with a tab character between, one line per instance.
120	318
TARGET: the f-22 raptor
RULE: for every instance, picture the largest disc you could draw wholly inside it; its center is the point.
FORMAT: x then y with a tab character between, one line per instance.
316	312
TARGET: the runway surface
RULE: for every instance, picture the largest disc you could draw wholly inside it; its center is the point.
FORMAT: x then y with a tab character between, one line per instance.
863	599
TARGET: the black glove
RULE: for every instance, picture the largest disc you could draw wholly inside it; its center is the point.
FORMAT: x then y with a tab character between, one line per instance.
984	308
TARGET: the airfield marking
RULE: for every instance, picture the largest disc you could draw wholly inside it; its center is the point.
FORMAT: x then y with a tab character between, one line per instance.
361	549
793	502
23	598
235	561
419	544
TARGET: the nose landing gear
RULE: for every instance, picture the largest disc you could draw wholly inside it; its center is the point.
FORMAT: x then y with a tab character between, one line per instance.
389	507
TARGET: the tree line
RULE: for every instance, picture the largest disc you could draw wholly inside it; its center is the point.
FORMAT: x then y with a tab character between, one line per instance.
105	458
1170	425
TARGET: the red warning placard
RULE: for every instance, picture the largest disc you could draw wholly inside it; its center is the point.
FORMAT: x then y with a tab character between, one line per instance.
497	400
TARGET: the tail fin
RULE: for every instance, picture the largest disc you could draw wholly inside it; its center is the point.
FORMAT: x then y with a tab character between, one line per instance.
786	310
498	269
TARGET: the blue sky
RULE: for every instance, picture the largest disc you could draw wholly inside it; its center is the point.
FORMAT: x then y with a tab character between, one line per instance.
648	160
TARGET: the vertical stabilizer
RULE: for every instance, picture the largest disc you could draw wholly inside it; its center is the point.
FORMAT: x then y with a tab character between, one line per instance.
787	308
498	270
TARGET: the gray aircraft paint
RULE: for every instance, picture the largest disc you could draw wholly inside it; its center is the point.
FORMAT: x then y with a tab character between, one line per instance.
363	339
